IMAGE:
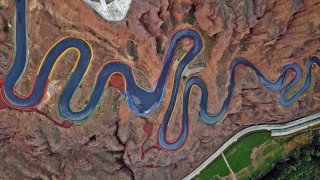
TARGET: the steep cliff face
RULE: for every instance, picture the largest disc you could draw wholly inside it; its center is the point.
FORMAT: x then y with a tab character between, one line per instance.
113	142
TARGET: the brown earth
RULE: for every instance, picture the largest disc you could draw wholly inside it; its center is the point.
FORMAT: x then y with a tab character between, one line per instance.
270	34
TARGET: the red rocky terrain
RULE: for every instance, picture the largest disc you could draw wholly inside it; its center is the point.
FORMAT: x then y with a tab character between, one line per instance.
114	143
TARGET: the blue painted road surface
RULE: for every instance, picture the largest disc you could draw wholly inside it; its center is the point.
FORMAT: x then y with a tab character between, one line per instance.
140	101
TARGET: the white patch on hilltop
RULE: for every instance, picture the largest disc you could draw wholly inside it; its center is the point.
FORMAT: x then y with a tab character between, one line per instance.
113	11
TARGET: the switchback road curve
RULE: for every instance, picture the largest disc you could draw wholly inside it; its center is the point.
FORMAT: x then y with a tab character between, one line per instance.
140	101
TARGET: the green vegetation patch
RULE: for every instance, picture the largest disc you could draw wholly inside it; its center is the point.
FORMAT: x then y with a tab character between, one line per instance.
215	170
269	148
266	162
239	156
255	154
304	164
6	27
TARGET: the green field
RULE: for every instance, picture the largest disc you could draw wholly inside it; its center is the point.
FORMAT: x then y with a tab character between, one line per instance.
239	155
216	170
254	155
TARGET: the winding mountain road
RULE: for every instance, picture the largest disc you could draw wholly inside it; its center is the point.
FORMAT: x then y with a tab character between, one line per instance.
140	101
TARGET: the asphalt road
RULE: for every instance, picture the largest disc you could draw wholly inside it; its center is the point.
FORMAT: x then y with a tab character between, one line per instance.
140	101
